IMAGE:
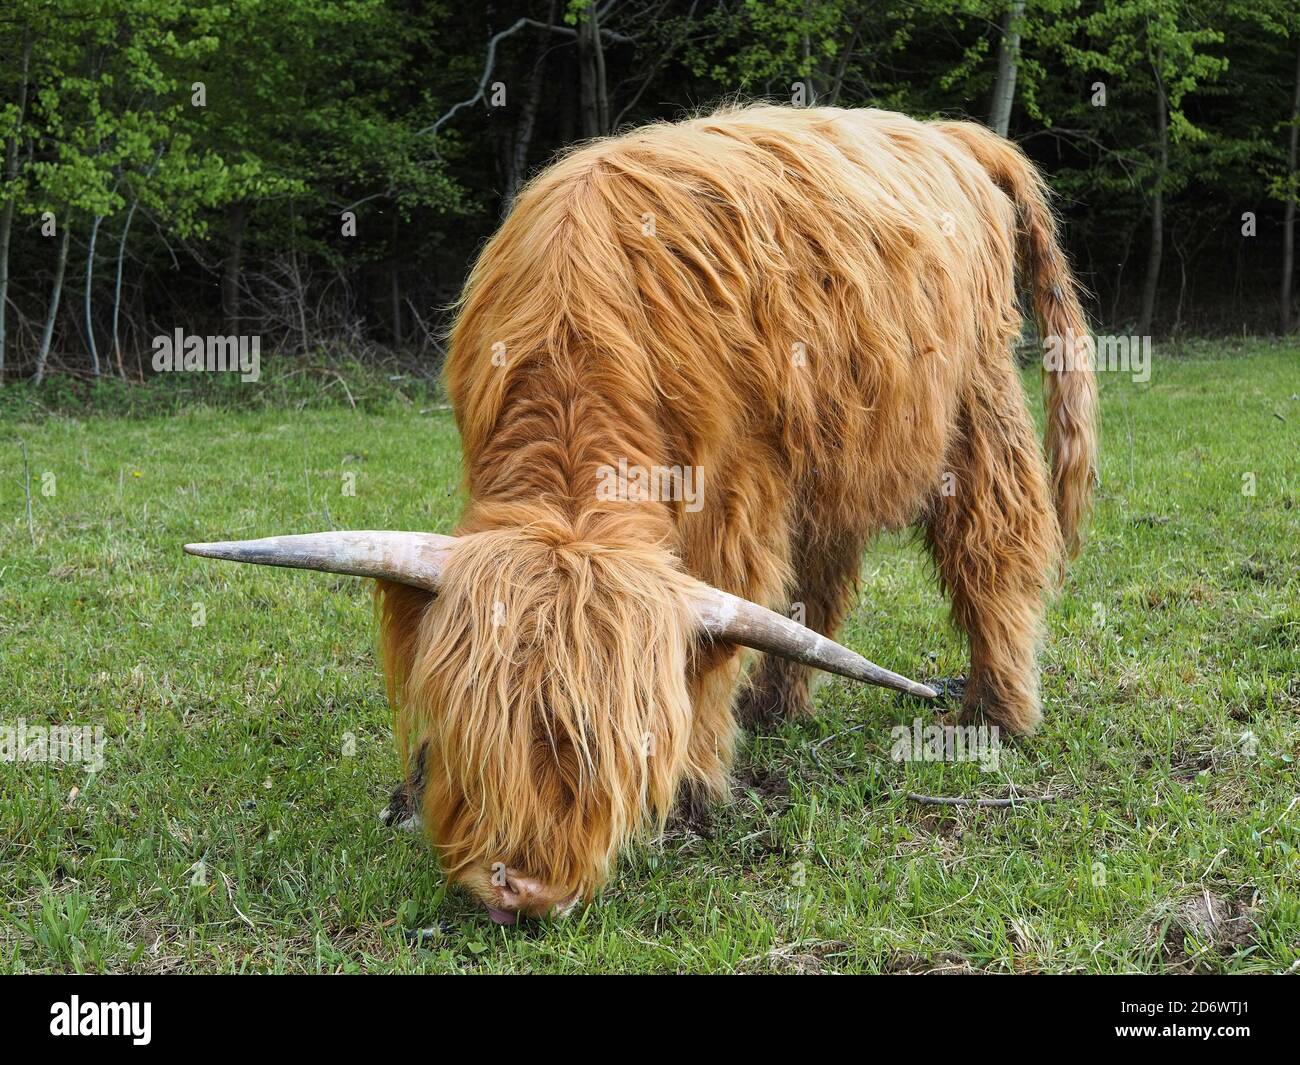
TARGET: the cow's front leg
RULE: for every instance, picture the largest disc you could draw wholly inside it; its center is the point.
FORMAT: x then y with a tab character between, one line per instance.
826	573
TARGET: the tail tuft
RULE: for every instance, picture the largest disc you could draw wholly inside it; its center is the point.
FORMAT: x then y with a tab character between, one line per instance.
1070	388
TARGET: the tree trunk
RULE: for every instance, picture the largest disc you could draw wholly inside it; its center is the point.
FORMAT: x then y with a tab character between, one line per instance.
594	94
117	287
1118	291
11	174
517	151
1157	248
807	58
1288	224
237	219
842	65
1004	89
395	283
90	282
48	335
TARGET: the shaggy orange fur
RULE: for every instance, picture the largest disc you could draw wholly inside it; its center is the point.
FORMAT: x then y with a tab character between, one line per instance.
816	308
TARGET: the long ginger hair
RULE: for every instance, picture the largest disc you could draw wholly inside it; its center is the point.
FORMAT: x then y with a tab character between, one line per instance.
546	690
815	307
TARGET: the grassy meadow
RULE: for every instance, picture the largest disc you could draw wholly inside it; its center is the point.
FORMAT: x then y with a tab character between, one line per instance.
232	826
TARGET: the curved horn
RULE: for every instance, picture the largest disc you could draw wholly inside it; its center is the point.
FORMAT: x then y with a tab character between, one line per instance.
417	559
728	617
404	557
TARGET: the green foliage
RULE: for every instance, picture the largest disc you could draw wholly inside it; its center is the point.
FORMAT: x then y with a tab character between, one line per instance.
176	112
215	148
299	384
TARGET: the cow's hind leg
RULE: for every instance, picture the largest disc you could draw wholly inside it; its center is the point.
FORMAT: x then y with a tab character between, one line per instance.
826	575
995	542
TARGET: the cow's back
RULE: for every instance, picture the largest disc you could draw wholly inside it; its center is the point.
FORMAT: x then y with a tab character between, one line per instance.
790	300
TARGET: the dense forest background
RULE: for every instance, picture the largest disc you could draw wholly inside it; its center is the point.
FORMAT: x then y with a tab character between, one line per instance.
320	173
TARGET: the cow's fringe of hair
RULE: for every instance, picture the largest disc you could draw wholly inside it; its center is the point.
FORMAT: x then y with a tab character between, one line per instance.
550	736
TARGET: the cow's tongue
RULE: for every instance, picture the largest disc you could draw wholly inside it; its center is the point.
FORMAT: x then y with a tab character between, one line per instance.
502	916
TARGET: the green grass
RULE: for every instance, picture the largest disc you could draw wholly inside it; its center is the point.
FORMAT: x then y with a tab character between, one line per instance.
233	826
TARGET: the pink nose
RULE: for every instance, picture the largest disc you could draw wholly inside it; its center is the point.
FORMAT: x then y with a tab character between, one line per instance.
517	894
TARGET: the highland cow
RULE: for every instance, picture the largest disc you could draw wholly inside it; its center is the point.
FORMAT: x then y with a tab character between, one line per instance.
816	308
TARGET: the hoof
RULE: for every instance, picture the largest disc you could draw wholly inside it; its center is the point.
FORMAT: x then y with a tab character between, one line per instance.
950	689
401	821
402	812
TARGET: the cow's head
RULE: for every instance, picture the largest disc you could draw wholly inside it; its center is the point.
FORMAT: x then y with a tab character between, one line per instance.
544	684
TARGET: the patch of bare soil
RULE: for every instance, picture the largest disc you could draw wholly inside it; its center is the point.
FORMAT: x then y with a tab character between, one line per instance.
696	814
939	965
804	959
945	826
1192	765
771	785
1207	925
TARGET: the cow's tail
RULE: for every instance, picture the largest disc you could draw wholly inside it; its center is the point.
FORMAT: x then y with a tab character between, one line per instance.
1070	389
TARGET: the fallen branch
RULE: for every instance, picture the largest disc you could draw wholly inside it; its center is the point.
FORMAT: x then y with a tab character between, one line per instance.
958	800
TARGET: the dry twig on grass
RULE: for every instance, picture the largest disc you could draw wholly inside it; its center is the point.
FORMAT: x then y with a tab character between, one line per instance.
958	800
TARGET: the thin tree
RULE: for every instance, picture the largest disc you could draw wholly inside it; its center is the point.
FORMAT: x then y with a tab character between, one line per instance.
1288	223
1004	88
56	293
1156	247
11	181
